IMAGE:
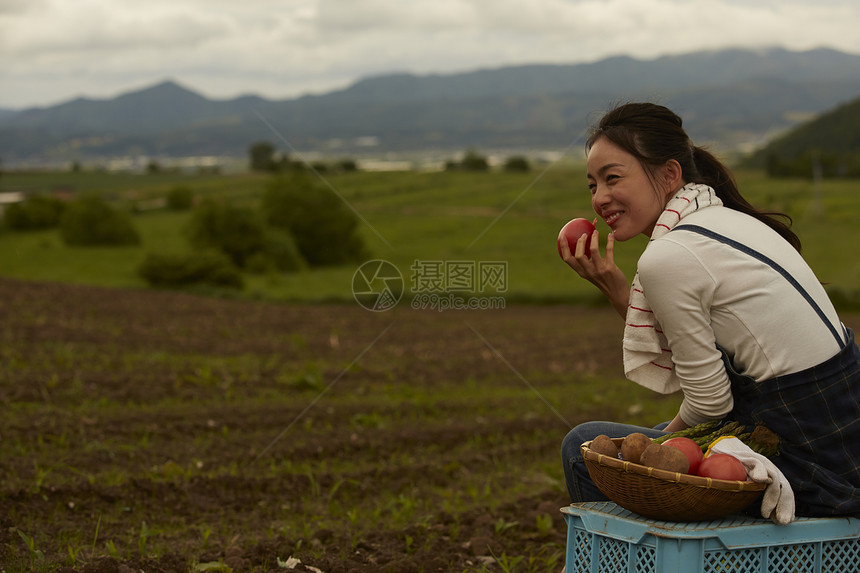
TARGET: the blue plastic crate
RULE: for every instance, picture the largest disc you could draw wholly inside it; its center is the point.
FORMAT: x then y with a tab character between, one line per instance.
605	538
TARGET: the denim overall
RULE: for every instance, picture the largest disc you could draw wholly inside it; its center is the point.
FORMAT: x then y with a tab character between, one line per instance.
815	413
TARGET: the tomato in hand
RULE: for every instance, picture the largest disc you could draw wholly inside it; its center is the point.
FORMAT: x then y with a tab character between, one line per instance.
572	231
690	449
723	466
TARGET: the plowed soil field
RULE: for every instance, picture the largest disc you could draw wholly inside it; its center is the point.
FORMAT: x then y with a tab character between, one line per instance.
160	432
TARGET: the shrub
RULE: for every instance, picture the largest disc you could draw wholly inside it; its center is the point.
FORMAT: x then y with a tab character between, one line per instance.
517	164
90	221
473	161
347	165
36	212
235	231
238	232
180	199
243	235
184	269
264	157
324	228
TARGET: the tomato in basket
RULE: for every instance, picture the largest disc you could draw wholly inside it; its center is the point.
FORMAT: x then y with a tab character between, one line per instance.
690	449
723	466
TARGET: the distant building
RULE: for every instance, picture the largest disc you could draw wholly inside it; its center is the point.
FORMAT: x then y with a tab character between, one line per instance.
10	198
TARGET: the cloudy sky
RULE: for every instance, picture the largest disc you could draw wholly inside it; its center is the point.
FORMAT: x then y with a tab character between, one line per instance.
54	50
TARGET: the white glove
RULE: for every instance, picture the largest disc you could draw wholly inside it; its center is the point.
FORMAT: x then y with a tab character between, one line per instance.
778	501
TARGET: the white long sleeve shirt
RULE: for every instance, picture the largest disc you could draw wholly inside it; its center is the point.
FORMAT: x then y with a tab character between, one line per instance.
704	292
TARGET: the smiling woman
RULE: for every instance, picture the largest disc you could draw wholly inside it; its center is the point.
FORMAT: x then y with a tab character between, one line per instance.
723	308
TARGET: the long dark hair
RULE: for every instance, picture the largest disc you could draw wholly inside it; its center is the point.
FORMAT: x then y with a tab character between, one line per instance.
653	134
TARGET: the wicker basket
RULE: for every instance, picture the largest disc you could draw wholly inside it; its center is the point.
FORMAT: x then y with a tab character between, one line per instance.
665	495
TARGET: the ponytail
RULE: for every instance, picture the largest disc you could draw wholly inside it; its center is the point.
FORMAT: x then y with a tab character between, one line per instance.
711	171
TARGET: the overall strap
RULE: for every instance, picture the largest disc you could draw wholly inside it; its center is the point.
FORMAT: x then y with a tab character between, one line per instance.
774	265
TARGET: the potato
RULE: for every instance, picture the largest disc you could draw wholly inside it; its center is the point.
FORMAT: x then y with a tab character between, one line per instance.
633	446
665	458
603	444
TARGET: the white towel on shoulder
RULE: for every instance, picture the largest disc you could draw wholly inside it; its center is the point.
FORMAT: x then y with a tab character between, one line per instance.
647	357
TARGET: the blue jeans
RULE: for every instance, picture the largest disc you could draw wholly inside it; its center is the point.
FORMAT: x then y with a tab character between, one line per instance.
579	484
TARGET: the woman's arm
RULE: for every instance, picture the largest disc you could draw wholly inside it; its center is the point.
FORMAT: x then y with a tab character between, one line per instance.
676	424
602	272
681	292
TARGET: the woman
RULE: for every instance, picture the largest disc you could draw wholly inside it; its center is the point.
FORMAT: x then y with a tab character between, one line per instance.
722	307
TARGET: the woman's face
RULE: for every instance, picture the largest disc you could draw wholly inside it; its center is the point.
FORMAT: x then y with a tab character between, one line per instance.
622	194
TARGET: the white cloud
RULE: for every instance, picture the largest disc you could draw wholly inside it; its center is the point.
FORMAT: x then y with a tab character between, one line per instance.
77	31
19	6
52	50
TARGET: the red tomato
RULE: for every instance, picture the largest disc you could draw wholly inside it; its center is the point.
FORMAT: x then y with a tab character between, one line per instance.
723	466
690	449
572	231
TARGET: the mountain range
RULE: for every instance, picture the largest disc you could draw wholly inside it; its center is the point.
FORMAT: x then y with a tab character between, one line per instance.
728	98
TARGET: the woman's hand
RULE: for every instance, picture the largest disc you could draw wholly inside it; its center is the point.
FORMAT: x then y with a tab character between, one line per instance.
602	272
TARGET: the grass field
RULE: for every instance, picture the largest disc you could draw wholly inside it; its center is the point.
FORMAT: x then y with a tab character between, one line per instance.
409	216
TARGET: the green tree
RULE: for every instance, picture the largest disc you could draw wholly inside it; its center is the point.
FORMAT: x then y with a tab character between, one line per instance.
517	163
325	229
237	232
242	234
90	221
347	165
262	156
473	161
35	212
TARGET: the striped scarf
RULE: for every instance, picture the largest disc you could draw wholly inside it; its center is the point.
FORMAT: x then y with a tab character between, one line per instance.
647	357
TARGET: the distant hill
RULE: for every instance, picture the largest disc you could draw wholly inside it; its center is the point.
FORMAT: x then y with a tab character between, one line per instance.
729	98
832	140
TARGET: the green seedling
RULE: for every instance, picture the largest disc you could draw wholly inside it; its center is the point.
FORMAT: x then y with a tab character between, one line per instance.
142	539
315	486
35	554
205	532
41	474
507	564
96	536
333	491
501	526
73	554
544	524
111	549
